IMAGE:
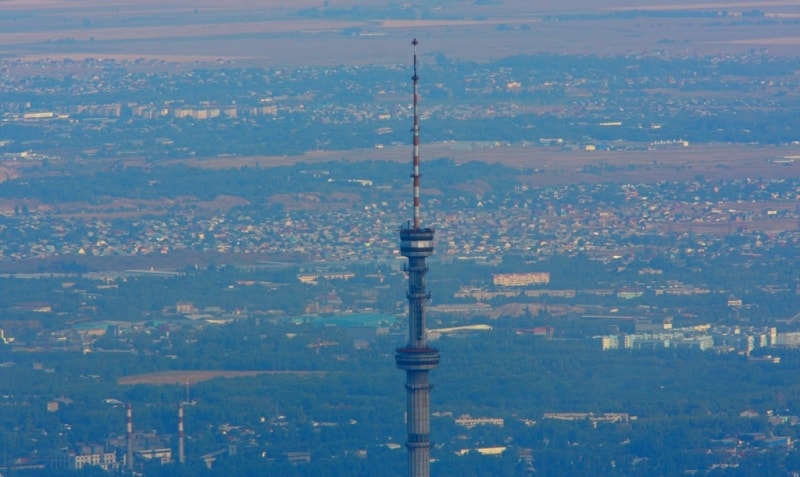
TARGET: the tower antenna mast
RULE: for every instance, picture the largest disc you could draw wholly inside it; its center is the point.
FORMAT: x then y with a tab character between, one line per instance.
416	175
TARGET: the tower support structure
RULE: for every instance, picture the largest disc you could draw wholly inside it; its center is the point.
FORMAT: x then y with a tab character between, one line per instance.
417	359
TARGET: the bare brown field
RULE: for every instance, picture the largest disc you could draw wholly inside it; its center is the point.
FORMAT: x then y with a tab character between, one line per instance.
767	226
557	166
250	32
127	208
193	377
764	42
711	5
164	33
175	259
143	5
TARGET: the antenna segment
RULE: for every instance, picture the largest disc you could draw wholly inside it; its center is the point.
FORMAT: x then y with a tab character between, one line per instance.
415	129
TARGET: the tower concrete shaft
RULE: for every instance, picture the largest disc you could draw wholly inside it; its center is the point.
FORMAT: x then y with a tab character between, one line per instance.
181	450
417	358
129	437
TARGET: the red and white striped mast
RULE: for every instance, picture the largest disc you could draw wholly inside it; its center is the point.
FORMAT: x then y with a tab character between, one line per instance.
416	174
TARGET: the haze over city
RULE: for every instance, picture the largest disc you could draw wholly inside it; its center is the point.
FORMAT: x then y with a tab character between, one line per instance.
223	228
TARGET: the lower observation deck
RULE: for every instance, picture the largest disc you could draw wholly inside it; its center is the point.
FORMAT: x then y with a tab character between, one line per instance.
416	242
417	359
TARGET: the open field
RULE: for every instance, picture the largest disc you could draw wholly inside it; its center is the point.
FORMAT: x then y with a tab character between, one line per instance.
193	377
557	166
174	260
291	33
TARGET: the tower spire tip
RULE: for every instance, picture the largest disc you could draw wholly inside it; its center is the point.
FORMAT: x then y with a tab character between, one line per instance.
415	129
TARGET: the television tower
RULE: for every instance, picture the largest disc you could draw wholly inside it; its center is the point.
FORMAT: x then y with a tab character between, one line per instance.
417	358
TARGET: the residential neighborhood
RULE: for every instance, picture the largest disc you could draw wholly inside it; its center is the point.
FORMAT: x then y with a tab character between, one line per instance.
613	283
